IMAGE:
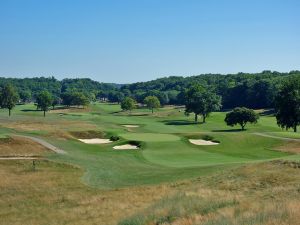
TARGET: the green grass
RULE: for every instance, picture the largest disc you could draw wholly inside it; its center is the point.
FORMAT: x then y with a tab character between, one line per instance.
166	154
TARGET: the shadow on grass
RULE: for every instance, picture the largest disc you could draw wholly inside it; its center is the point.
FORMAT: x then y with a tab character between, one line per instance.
55	108
230	130
180	122
119	113
30	110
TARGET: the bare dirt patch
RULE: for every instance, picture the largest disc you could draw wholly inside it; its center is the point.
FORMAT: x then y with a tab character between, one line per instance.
202	142
19	146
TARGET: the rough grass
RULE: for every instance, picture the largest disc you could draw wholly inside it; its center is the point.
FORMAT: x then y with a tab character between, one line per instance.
53	194
87	134
267	193
181	205
18	146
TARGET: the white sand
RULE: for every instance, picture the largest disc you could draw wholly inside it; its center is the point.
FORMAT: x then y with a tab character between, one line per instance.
95	141
202	142
130	126
124	147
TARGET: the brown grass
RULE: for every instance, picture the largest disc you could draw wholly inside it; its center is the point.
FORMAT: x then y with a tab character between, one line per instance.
53	194
87	134
18	146
291	146
265	193
58	129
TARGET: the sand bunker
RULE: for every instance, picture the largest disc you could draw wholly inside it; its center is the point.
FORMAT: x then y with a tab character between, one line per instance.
202	142
95	141
125	147
130	126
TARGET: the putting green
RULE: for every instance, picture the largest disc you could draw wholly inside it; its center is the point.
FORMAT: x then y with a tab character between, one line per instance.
150	137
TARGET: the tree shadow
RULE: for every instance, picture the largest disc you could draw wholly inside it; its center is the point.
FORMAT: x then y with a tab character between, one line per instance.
30	110
229	130
144	114
60	107
179	122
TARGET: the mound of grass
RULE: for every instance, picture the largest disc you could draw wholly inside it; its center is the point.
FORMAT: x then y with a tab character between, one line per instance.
87	134
181	205
19	146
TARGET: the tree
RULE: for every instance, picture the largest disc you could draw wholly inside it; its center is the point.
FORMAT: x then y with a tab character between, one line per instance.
79	98
128	104
25	95
287	104
8	98
74	98
241	116
115	96
201	102
152	102
44	101
56	101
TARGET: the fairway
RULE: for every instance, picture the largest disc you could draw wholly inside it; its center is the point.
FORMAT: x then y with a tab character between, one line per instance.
151	137
165	155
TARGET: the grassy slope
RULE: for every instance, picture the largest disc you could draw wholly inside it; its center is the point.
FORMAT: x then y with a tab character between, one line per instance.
166	155
262	193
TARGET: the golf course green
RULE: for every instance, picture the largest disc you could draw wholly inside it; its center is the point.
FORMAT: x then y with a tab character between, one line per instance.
165	153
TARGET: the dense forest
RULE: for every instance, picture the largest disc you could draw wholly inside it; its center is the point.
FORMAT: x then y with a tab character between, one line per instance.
243	89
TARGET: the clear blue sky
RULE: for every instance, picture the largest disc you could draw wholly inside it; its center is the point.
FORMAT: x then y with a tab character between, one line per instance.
136	40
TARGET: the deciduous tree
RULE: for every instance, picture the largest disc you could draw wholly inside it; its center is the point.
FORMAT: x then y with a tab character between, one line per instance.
201	101
241	116
128	104
44	101
152	102
287	104
8	98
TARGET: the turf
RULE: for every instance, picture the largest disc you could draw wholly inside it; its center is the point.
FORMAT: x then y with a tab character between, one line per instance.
166	154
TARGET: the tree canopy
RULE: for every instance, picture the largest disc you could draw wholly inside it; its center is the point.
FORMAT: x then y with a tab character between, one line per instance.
152	102
241	116
75	98
128	104
287	104
8	97
44	101
202	102
255	91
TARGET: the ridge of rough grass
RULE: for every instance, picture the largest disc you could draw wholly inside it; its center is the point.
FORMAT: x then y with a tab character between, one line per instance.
254	194
20	146
171	208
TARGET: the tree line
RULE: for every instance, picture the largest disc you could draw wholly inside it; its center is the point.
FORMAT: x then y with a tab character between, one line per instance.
255	91
201	95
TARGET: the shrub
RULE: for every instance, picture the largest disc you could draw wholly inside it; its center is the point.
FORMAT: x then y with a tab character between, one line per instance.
114	138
